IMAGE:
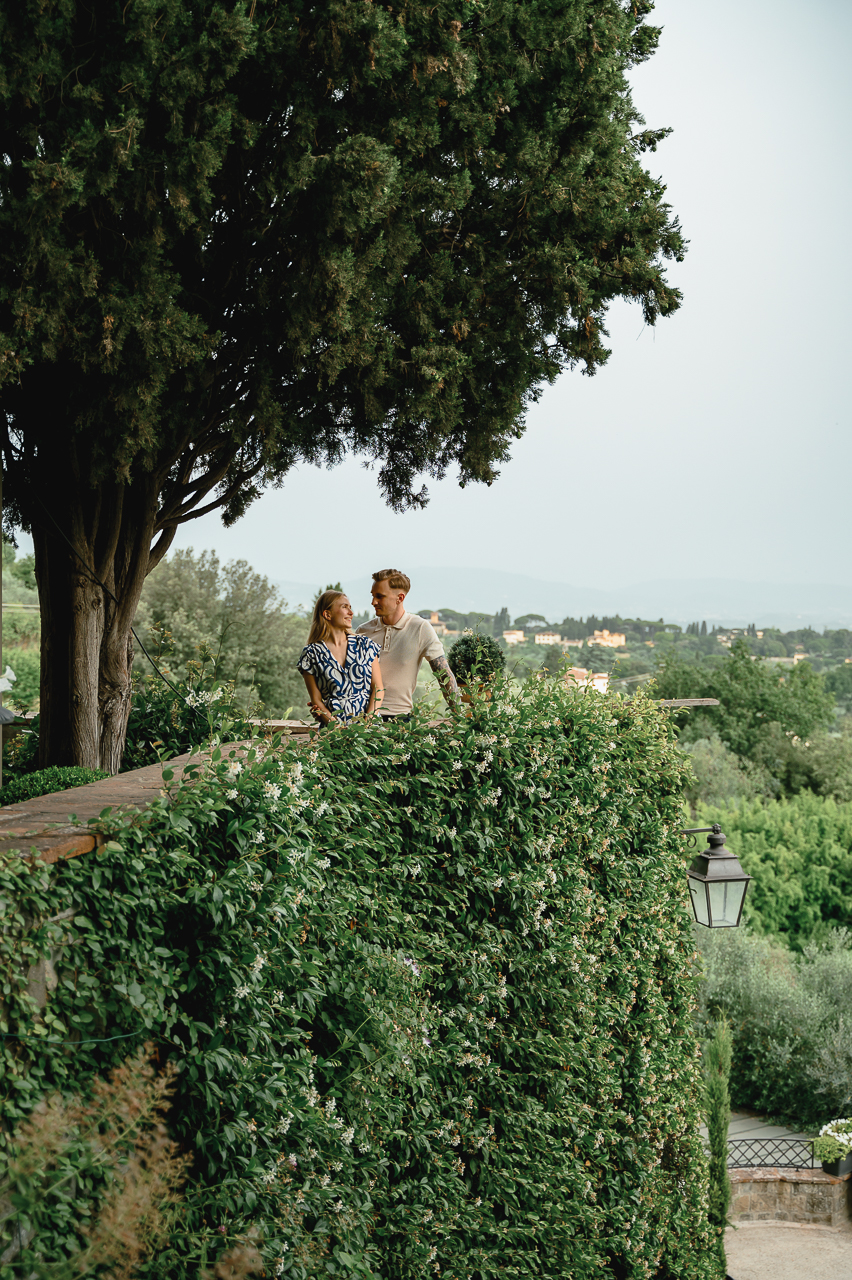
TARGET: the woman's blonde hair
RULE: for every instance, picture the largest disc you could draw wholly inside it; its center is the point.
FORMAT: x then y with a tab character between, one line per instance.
320	629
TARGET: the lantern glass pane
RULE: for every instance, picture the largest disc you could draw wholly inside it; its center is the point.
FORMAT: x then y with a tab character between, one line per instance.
699	900
726	898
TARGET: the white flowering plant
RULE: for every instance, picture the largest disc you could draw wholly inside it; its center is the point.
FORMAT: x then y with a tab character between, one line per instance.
426	1020
184	710
834	1141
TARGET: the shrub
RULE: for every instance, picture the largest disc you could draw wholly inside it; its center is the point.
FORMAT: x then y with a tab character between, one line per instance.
718	1115
799	851
115	1143
20	753
429	989
834	1141
45	782
475	657
792	1052
720	776
170	717
26	665
21	629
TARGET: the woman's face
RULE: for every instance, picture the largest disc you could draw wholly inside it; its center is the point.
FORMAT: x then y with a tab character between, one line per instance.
339	613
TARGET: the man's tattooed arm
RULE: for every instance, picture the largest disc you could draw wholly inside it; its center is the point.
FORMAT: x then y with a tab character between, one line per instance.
446	680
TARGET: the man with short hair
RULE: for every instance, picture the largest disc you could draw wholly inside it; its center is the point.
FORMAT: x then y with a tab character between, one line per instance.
404	640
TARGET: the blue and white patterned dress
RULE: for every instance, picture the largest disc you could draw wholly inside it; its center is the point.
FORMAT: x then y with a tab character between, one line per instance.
344	690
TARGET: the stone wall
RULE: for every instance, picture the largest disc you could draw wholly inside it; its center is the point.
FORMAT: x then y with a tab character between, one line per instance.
790	1195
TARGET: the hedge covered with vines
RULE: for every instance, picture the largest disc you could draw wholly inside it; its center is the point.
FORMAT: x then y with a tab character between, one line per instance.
428	989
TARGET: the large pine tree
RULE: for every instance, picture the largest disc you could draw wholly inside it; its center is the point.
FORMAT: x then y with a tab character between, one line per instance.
234	235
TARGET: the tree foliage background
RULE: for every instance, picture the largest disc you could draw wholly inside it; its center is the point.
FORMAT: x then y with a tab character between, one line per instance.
192	604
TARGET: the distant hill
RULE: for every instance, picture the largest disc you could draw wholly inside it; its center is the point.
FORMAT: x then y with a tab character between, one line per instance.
719	601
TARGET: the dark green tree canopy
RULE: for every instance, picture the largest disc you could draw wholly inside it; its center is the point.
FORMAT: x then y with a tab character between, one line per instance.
239	234
236	234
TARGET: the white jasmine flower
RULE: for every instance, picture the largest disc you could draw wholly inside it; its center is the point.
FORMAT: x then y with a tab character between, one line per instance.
241	991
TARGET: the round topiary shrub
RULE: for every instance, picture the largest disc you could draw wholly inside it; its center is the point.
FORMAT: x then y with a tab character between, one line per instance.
475	657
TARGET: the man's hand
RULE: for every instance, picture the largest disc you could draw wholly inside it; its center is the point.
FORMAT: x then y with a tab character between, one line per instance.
447	681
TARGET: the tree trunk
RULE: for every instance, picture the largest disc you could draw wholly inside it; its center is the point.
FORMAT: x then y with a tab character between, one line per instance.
88	602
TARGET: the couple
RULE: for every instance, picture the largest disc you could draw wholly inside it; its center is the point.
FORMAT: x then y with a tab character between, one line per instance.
375	670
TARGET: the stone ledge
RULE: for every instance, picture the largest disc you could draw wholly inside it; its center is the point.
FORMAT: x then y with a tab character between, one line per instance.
56	826
769	1174
59	825
799	1197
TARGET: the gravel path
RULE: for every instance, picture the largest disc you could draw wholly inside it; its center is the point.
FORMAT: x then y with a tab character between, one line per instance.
776	1252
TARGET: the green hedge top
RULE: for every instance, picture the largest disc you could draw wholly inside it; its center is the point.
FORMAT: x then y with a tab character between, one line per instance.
429	988
45	782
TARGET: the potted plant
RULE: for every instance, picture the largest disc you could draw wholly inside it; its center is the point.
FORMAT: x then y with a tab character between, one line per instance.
833	1147
474	659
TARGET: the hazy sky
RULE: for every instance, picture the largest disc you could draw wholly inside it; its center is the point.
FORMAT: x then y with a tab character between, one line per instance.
716	445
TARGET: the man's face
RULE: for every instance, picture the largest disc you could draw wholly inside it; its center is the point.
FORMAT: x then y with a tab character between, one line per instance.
386	601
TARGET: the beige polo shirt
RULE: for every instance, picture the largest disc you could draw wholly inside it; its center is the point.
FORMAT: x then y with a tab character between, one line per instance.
402	648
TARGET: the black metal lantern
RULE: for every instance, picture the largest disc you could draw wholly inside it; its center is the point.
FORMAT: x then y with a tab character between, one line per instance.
717	882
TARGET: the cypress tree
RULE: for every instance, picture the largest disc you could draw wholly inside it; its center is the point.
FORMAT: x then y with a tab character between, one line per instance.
718	1115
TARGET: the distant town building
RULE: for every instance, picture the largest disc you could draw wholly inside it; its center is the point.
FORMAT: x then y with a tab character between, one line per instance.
599	680
547	637
514	637
608	639
440	627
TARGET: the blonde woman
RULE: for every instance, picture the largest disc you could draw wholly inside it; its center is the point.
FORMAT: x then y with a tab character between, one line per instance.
341	671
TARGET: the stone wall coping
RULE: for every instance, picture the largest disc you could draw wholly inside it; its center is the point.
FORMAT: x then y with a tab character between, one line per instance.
60	825
57	826
768	1174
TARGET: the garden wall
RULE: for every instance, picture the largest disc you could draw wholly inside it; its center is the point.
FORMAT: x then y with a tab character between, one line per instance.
429	989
